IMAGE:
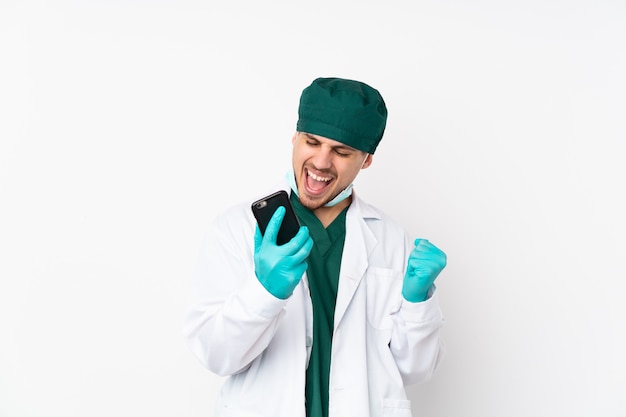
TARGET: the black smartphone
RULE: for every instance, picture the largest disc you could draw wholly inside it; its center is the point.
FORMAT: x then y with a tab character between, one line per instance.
264	208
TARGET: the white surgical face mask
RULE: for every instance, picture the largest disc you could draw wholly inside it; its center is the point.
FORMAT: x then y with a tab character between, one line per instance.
347	192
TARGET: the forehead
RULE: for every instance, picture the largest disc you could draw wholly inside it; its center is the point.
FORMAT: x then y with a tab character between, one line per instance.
330	142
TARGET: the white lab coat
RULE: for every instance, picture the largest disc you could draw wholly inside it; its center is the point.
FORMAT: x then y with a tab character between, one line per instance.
381	343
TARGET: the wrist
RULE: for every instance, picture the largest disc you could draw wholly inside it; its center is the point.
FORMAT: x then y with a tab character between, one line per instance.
415	296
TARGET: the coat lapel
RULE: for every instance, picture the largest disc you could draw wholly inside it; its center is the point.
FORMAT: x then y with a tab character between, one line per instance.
359	243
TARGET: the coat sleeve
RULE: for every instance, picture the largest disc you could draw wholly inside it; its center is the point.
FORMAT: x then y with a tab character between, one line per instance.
416	342
231	318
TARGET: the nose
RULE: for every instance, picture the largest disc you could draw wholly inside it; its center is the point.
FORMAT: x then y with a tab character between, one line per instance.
322	158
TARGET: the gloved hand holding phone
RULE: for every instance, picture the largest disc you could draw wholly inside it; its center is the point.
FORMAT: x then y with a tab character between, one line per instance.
425	263
279	268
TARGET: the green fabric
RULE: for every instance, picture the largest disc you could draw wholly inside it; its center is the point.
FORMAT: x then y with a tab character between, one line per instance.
348	111
323	277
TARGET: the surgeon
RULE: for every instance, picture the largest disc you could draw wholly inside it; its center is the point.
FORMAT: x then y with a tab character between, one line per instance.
342	318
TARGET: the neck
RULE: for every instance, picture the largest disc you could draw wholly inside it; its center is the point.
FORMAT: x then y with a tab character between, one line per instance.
326	215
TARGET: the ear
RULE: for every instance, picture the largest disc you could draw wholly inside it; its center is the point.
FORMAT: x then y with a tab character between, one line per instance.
368	161
293	139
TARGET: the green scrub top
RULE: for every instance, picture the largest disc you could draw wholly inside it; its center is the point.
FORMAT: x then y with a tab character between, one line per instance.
324	263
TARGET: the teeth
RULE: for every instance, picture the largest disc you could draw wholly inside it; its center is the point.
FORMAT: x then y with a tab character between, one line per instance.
316	178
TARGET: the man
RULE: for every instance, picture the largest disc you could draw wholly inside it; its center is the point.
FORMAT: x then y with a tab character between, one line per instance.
345	337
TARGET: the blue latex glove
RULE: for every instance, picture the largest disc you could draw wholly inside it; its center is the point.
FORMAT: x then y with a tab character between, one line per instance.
426	261
280	268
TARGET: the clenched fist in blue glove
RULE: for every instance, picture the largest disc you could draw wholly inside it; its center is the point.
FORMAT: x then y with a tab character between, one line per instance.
280	268
426	261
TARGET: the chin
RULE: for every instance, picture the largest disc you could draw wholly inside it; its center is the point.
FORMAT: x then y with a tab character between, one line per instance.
313	204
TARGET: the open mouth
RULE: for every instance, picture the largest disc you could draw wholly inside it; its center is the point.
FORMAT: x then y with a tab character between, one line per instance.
316	184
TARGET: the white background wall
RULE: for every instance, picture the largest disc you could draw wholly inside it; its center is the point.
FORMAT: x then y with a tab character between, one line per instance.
125	126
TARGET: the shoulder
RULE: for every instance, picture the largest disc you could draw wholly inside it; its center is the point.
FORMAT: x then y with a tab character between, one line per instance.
388	239
374	215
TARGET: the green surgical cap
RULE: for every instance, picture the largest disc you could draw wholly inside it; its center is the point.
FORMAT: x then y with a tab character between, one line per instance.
348	111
